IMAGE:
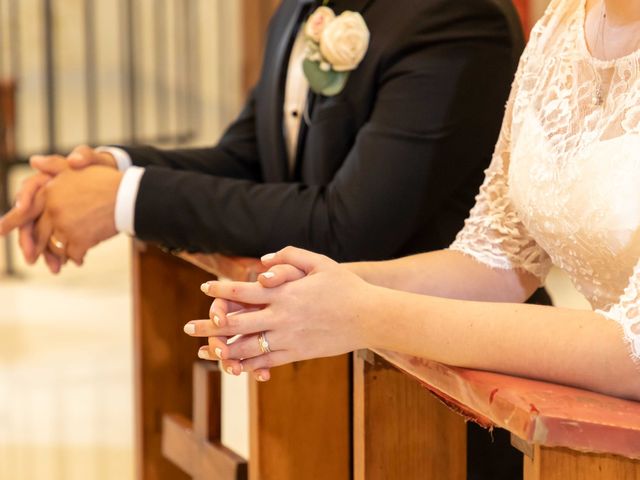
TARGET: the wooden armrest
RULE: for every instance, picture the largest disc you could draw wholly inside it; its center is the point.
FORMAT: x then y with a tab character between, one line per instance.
539	413
233	268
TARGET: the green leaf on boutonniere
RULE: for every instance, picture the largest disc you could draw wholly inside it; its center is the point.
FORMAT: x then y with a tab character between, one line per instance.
328	83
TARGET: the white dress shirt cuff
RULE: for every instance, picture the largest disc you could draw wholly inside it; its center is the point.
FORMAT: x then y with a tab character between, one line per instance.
126	200
123	160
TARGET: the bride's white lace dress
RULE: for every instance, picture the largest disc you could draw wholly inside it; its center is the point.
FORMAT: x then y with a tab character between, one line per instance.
564	184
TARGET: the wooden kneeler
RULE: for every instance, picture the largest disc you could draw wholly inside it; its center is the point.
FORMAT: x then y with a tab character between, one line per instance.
196	447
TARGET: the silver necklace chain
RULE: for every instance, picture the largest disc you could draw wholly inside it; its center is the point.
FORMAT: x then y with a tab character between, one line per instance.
598	94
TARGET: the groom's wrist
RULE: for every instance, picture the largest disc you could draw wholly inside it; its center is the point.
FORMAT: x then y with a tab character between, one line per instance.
117	157
126	200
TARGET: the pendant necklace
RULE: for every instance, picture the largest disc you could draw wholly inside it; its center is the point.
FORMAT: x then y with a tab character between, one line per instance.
598	95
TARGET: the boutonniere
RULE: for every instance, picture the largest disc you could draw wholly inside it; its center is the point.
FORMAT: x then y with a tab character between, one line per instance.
335	47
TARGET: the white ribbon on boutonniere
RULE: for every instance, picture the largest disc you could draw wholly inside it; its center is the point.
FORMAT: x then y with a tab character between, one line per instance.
335	47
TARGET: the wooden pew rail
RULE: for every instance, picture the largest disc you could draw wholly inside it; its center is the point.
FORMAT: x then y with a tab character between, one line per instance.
300	419
401	417
565	433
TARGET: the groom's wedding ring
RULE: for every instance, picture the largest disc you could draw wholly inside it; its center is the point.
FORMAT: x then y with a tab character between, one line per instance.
264	344
57	244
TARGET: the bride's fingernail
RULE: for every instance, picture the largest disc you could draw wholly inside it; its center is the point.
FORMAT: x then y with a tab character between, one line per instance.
203	353
216	320
218	351
267	257
230	370
268	274
261	378
190	329
205	287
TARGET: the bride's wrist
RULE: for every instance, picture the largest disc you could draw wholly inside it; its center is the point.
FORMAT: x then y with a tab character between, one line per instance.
374	319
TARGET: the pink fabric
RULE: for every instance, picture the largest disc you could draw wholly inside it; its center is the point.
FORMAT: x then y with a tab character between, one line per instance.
539	413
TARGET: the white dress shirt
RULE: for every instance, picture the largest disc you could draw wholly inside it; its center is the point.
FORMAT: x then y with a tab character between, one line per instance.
296	92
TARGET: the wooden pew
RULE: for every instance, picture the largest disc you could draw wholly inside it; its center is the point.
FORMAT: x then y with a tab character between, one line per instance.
300	420
565	433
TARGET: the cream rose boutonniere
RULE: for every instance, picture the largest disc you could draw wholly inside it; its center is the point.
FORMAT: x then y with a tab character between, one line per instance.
335	47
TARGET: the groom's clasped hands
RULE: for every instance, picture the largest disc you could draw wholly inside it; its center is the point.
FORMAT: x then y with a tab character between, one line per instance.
295	311
66	208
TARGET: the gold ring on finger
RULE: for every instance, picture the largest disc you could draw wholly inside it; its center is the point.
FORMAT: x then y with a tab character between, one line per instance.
57	244
264	343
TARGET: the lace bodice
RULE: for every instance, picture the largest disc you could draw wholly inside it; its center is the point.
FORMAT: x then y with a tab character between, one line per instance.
563	187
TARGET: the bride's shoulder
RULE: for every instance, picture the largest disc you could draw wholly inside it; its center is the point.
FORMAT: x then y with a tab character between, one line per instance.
559	15
560	10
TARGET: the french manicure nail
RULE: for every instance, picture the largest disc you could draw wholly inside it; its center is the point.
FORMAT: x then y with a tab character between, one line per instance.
203	353
190	329
230	370
216	320
218	351
261	378
268	274
205	287
267	257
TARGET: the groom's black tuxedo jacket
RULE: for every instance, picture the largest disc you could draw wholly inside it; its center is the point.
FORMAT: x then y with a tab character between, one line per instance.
388	167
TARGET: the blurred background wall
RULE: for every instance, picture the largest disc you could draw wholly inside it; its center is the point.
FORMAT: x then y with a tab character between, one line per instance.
158	71
66	383
181	55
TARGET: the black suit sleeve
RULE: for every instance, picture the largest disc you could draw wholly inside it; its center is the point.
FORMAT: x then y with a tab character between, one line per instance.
435	119
235	156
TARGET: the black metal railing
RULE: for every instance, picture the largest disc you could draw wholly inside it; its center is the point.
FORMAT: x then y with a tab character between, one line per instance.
173	47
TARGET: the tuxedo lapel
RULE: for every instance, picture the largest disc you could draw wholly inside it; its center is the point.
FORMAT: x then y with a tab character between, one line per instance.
275	78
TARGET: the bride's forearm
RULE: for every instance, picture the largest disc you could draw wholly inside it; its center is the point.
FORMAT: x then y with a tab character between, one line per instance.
572	347
447	273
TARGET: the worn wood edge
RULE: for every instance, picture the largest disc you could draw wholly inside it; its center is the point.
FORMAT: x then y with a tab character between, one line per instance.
523	446
222	461
449	401
533	435
233	268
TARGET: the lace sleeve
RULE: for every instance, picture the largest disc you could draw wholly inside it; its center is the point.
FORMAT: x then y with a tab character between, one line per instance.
493	234
627	313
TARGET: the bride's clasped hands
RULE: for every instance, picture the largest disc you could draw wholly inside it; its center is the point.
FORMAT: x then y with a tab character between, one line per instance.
305	306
